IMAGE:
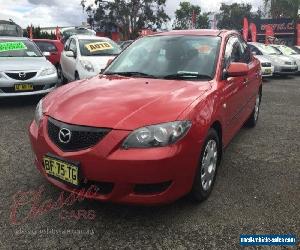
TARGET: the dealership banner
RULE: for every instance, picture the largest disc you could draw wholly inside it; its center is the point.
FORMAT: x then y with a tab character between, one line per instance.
282	26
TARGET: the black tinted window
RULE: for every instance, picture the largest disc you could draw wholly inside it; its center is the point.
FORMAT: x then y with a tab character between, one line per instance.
46	46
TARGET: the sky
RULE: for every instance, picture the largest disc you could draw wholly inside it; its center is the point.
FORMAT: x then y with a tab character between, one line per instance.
49	13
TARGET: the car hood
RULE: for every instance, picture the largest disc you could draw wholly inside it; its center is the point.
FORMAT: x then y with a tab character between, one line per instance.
262	59
121	102
23	63
281	57
98	62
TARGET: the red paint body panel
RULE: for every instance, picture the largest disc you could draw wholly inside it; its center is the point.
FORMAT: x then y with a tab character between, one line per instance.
54	57
124	104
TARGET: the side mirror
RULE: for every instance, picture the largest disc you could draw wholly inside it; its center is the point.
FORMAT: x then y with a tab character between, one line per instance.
69	53
237	69
254	53
46	54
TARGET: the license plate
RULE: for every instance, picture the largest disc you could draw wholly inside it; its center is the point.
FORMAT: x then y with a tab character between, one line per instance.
62	170
23	87
268	71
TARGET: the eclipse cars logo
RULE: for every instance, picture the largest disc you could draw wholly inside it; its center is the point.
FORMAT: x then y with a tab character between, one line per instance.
64	135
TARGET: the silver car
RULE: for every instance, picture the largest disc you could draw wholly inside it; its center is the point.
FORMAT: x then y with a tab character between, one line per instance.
24	70
283	65
289	52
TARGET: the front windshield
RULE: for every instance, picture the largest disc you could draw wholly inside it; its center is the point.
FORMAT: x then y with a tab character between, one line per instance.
269	50
192	57
286	50
98	47
21	48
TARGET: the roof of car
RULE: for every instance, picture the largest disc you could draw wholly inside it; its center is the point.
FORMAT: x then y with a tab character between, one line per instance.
197	32
13	38
46	40
88	37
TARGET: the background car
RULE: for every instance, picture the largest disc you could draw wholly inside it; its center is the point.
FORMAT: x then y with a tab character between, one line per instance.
85	56
125	44
267	69
55	48
289	52
283	65
68	32
24	70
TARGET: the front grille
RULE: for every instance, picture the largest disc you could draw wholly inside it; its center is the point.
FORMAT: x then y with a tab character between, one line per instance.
266	64
21	76
82	137
153	188
102	188
288	63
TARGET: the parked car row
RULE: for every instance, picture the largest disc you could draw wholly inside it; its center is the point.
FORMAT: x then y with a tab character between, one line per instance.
25	71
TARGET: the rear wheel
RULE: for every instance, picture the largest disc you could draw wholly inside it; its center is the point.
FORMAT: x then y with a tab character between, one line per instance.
207	168
61	78
252	121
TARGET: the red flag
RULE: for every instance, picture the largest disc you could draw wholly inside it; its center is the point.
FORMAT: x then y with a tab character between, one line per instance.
298	34
57	33
30	32
269	33
246	29
253	31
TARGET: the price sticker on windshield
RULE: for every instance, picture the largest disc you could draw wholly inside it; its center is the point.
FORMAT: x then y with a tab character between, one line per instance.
9	46
98	46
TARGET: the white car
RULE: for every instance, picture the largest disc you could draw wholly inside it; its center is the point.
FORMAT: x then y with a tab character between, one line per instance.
86	56
267	69
287	51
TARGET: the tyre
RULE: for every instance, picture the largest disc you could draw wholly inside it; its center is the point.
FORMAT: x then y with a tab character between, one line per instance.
252	120
61	78
207	168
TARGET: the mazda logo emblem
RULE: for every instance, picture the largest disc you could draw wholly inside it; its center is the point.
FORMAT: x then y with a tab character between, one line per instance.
22	75
64	135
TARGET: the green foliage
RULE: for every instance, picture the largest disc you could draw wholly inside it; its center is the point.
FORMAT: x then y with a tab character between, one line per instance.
184	17
130	16
283	8
38	34
231	15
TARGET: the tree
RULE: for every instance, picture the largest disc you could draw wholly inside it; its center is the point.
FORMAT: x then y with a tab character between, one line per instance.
129	16
231	15
38	34
283	8
184	17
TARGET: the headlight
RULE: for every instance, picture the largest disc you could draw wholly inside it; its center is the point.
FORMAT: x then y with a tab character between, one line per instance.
157	135
87	65
38	112
48	71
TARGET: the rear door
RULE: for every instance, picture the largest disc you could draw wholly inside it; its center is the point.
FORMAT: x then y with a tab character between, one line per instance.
51	48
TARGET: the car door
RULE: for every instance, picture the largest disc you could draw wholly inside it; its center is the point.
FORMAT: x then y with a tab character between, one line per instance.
63	59
234	89
253	78
69	62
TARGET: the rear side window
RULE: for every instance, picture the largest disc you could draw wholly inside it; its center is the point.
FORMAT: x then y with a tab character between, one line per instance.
46	46
67	45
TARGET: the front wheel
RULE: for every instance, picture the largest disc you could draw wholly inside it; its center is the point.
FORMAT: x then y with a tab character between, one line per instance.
252	120
207	169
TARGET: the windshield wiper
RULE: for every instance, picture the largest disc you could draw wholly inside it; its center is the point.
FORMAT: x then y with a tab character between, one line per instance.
131	73
189	75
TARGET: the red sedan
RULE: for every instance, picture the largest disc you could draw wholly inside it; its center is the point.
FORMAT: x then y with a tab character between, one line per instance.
153	126
54	48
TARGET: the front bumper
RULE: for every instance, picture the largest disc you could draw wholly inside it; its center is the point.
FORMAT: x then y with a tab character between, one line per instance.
126	170
286	70
42	85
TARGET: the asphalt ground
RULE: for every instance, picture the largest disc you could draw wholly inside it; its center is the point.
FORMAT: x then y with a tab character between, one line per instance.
256	192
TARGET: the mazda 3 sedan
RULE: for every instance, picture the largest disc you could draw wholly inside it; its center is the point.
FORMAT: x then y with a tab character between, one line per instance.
153	126
24	70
